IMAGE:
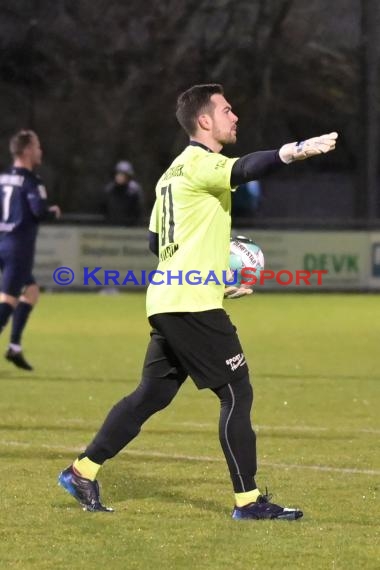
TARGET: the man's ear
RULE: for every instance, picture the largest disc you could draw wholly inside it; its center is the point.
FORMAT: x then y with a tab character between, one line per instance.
204	121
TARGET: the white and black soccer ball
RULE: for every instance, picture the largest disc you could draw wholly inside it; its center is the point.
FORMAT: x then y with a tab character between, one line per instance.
246	254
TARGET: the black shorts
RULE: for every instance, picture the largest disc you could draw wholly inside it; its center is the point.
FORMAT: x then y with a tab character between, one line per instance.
203	345
16	271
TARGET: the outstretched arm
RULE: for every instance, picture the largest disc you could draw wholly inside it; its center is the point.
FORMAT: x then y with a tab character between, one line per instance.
254	166
258	164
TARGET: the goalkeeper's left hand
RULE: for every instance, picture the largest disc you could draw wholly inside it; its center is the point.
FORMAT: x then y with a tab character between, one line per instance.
236	292
306	149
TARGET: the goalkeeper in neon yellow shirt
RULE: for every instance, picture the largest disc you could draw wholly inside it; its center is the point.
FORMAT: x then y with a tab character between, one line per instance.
192	336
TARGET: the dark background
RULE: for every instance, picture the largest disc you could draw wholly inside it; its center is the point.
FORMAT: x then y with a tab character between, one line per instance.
98	81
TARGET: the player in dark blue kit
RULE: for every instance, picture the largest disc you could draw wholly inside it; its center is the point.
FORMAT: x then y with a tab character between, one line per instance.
23	203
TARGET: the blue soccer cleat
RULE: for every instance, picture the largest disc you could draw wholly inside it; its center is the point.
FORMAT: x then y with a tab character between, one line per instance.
85	491
263	509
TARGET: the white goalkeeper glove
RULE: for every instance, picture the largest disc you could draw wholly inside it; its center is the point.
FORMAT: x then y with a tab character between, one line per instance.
311	147
236	292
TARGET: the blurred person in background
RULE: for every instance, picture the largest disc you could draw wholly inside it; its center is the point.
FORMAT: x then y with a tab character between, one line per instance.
123	203
23	204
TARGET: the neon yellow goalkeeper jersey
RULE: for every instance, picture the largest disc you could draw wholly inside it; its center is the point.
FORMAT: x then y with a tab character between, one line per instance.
192	217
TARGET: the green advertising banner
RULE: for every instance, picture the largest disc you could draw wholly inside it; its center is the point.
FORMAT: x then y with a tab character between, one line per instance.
343	257
294	260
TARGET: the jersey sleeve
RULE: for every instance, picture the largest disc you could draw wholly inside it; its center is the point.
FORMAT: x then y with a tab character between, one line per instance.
213	172
37	198
153	223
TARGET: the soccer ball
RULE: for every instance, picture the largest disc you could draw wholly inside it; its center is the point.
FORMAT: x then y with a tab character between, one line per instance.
244	253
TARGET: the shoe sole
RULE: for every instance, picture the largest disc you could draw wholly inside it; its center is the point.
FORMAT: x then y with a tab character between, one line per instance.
289	516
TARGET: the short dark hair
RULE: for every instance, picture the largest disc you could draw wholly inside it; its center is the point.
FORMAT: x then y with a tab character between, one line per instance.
20	141
192	102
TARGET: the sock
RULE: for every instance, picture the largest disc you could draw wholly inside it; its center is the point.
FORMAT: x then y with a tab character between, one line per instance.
243	499
86	468
15	347
5	312
20	317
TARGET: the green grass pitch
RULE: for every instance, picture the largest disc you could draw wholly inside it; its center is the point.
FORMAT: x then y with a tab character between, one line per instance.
315	365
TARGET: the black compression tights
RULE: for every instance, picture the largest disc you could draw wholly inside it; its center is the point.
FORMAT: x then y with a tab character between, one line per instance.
237	438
